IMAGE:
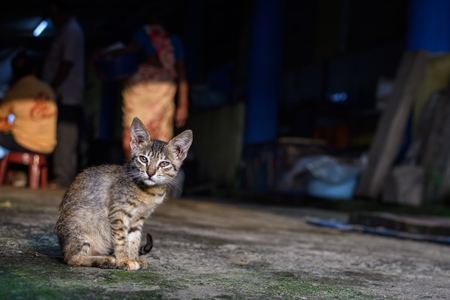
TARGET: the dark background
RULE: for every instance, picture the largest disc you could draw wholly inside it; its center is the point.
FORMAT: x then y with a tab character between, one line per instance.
325	36
328	48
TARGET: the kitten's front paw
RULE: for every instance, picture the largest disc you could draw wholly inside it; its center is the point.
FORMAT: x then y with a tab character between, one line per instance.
130	265
108	262
143	263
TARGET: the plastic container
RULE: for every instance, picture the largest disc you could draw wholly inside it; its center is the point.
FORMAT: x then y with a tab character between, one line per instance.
339	191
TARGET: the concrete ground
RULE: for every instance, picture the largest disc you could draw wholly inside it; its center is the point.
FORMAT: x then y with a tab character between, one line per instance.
206	249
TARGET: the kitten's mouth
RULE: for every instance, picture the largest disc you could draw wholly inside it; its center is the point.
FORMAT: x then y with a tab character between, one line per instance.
149	182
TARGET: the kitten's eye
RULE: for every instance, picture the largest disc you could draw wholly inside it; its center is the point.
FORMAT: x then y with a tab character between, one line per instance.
163	164
143	159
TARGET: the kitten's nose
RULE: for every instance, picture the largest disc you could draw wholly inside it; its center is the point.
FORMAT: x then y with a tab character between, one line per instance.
150	173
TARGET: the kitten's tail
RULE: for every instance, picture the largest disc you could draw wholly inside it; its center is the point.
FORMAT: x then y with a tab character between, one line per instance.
148	246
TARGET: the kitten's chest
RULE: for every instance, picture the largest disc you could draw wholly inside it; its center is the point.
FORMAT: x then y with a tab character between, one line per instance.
146	203
133	203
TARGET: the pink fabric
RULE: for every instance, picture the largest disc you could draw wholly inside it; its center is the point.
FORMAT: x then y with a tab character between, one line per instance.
166	55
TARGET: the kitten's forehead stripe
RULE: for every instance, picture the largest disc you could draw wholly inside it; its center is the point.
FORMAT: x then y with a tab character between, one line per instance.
156	149
158	146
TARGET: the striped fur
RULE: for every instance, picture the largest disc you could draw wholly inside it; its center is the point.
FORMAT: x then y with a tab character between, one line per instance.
103	211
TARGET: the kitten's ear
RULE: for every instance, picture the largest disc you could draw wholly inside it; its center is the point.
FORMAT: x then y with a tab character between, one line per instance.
180	145
138	134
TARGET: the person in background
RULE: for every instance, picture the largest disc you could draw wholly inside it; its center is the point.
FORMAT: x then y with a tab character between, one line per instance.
150	92
64	69
32	104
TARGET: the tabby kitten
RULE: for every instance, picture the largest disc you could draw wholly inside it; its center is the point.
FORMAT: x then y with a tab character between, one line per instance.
104	209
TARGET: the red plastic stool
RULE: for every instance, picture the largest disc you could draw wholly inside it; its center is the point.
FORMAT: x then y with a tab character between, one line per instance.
37	167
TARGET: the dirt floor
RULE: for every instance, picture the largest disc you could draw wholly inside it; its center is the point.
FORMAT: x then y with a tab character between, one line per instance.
206	249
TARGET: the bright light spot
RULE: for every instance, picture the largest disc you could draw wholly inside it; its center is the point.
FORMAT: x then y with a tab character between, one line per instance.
11	118
41	27
338	97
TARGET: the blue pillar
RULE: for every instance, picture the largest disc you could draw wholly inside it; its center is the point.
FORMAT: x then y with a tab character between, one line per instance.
428	26
264	73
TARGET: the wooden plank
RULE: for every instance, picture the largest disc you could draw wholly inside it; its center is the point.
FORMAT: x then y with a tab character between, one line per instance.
436	226
404	185
389	134
436	149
